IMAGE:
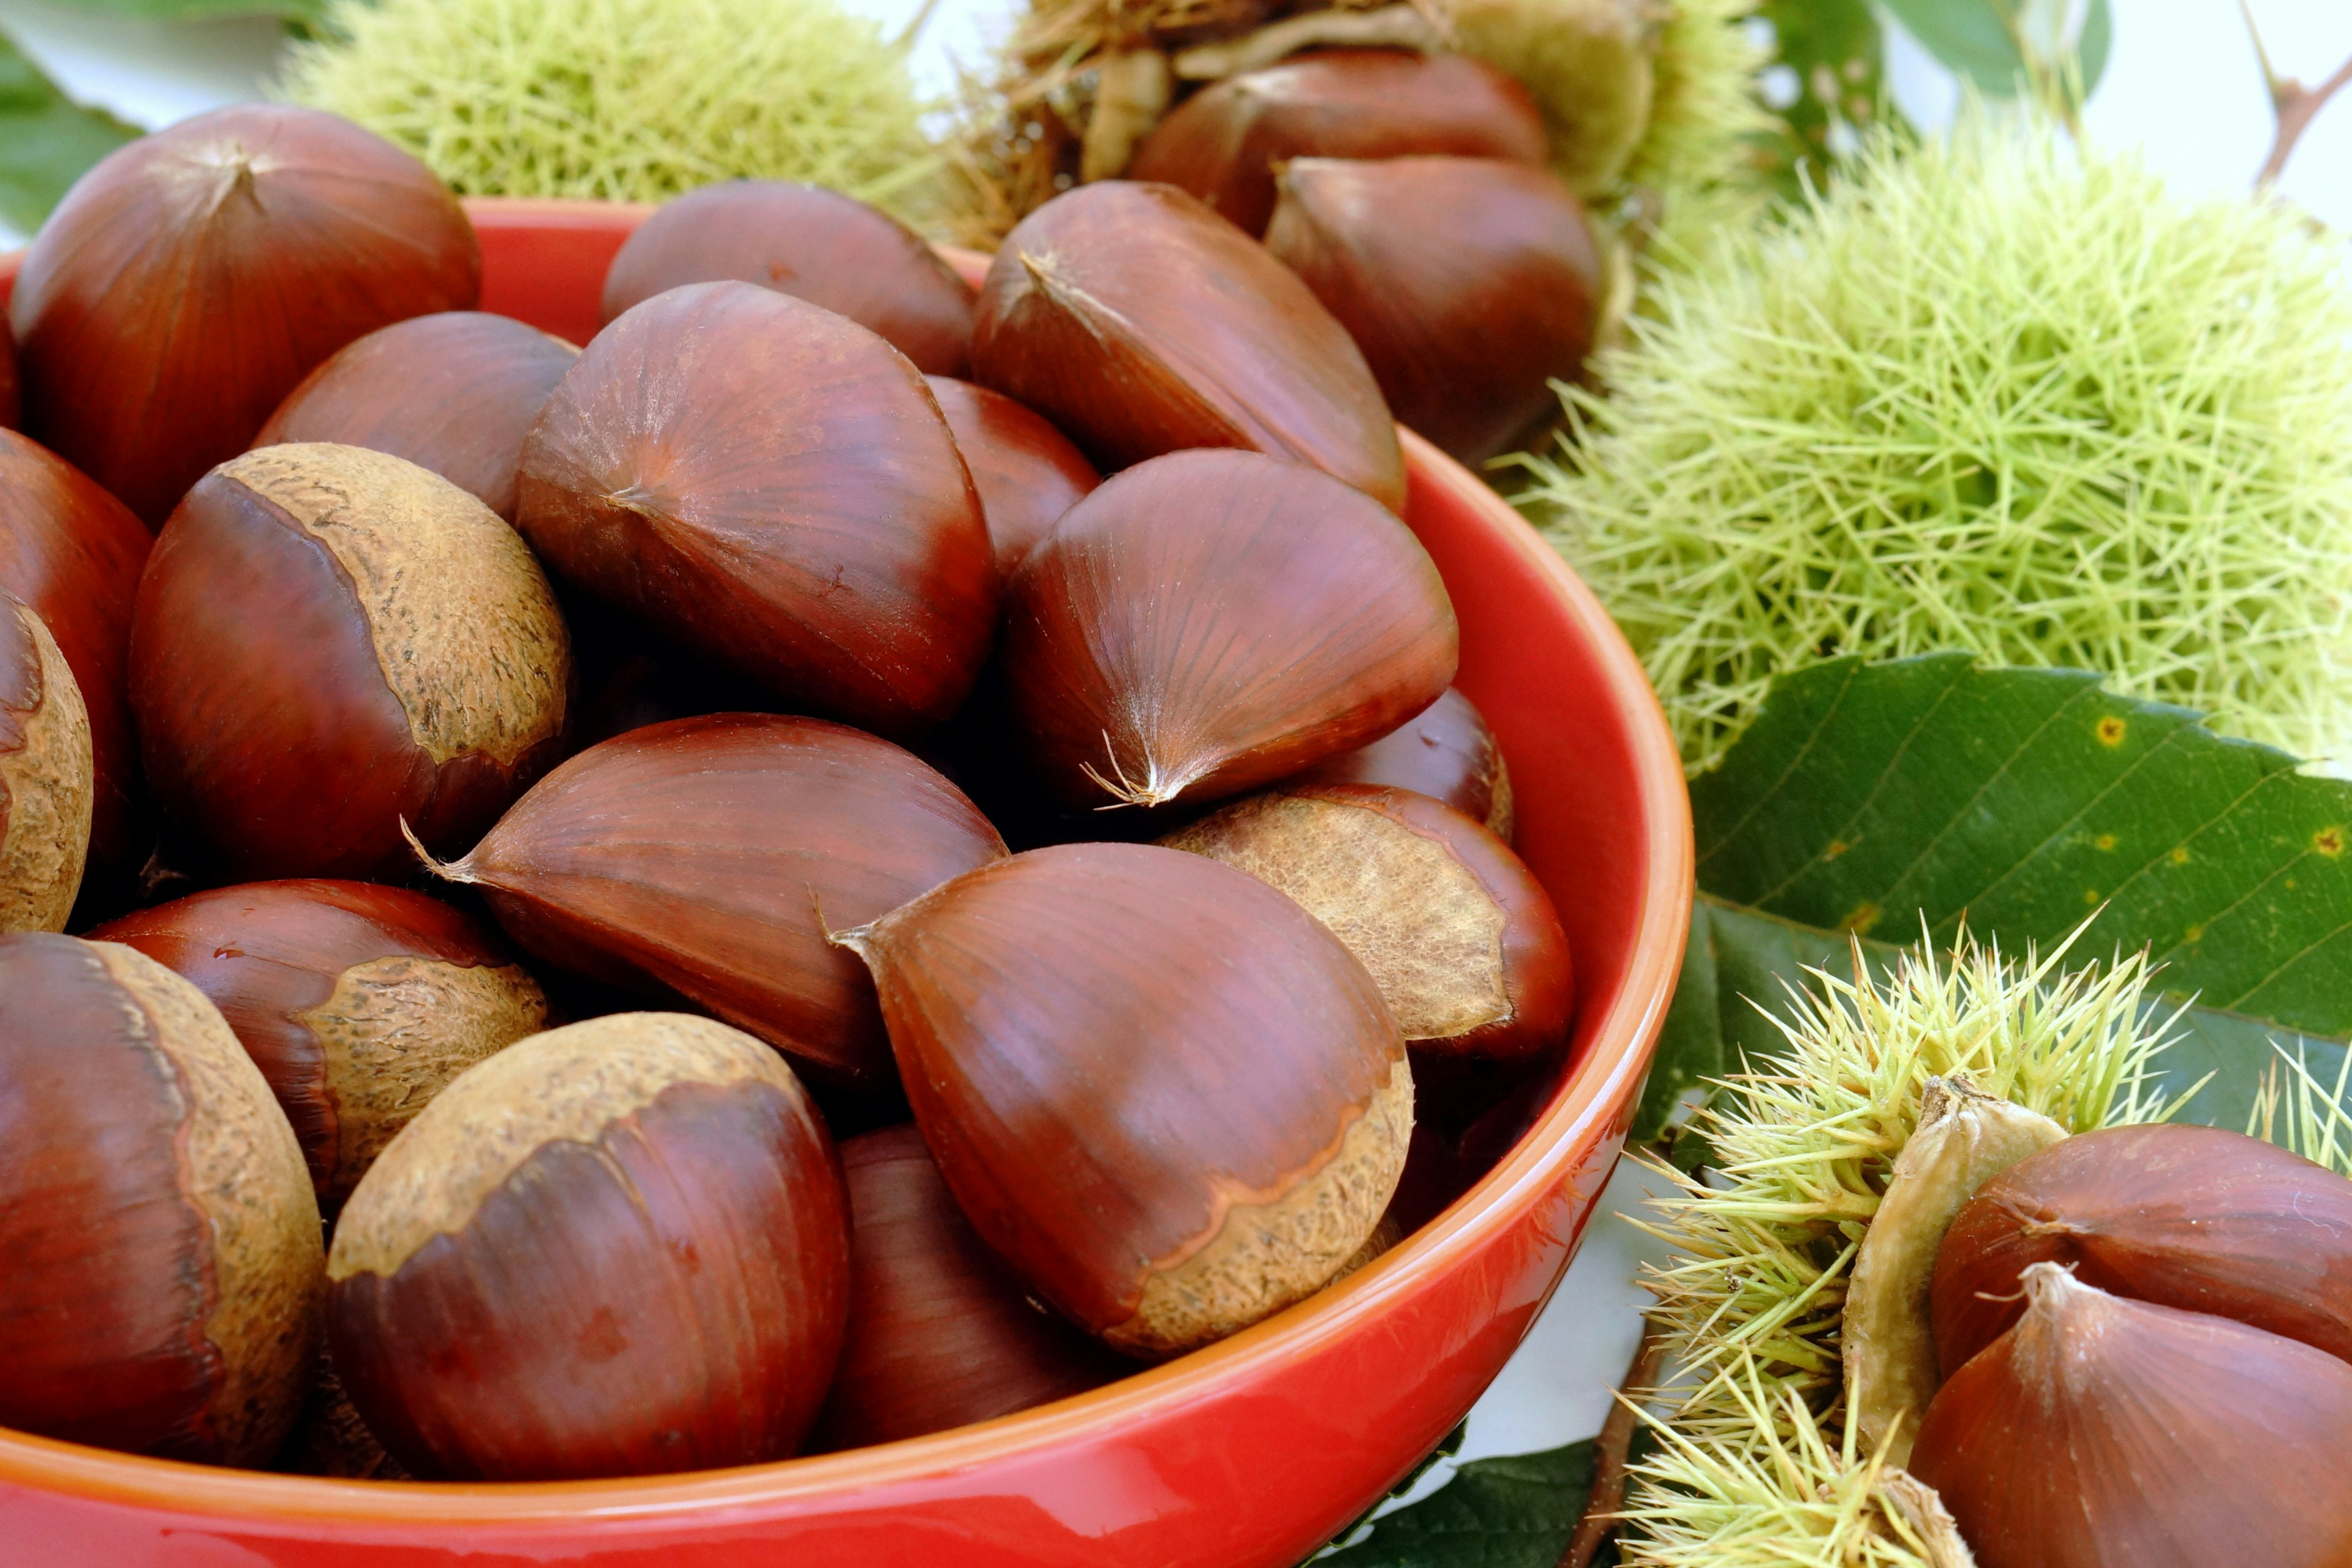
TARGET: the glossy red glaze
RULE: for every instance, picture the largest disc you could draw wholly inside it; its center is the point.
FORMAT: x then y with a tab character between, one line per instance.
1246	1454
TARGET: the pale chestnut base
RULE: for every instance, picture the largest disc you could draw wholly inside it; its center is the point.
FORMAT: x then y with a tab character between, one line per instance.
47	791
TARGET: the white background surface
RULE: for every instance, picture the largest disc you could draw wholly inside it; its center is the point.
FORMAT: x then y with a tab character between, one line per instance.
2182	84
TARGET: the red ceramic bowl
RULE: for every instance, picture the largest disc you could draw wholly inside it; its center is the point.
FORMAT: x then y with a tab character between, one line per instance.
1249	1454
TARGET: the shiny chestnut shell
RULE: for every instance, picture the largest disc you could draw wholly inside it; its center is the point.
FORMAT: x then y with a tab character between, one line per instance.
192	277
454	392
1447	751
333	649
1224	143
1159	1090
1208	621
159	1259
941	1333
1140	323
813	244
1471	284
1027	473
1462	939
772	485
707	857
2200	1218
358	1003
616	1248
72	555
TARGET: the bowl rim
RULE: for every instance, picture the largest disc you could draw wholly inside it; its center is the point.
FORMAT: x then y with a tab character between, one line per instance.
1584	1113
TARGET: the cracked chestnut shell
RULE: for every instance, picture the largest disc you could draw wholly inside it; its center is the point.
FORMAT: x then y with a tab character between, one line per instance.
1160	1090
2200	1218
333	647
1027	473
1140	323
1224	143
1208	621
708	856
1462	939
454	392
813	244
358	1003
772	485
1471	284
941	1333
45	781
1447	751
160	1258
2100	1431
192	277
617	1249
72	555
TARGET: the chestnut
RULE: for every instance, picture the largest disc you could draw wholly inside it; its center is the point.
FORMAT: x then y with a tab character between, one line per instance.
1211	621
707	857
1471	284
2200	1218
1159	1089
1447	751
190	279
12	406
772	485
333	647
1027	473
1225	142
160	1258
358	1003
331	1439
454	392
2100	1431
72	555
45	776
615	1248
1140	323
813	244
941	1334
1462	939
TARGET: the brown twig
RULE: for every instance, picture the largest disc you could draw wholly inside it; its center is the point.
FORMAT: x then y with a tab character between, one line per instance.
2292	105
1611	1448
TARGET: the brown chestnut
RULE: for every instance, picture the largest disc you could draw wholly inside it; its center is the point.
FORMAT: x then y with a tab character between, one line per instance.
191	278
813	244
1140	323
159	1259
1027	473
72	555
331	1439
774	487
1462	939
616	1248
2200	1218
1471	284
358	1003
941	1334
1208	621
1447	751
2101	1431
707	857
1225	142
454	392
1159	1090
332	643
45	776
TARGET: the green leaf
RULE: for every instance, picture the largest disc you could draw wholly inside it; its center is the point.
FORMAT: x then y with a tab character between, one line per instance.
1514	1512
47	140
1881	801
1968	36
1832	49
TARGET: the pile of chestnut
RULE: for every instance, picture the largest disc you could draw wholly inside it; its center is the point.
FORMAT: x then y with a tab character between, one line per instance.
523	802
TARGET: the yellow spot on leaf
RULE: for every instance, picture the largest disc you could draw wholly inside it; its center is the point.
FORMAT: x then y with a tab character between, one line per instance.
2111	730
2181	854
2091	895
2328	841
1837	847
2195	932
2106	841
1864	916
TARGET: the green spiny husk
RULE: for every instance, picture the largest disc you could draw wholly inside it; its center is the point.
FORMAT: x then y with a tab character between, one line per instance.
626	99
1756	1463
1995	395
